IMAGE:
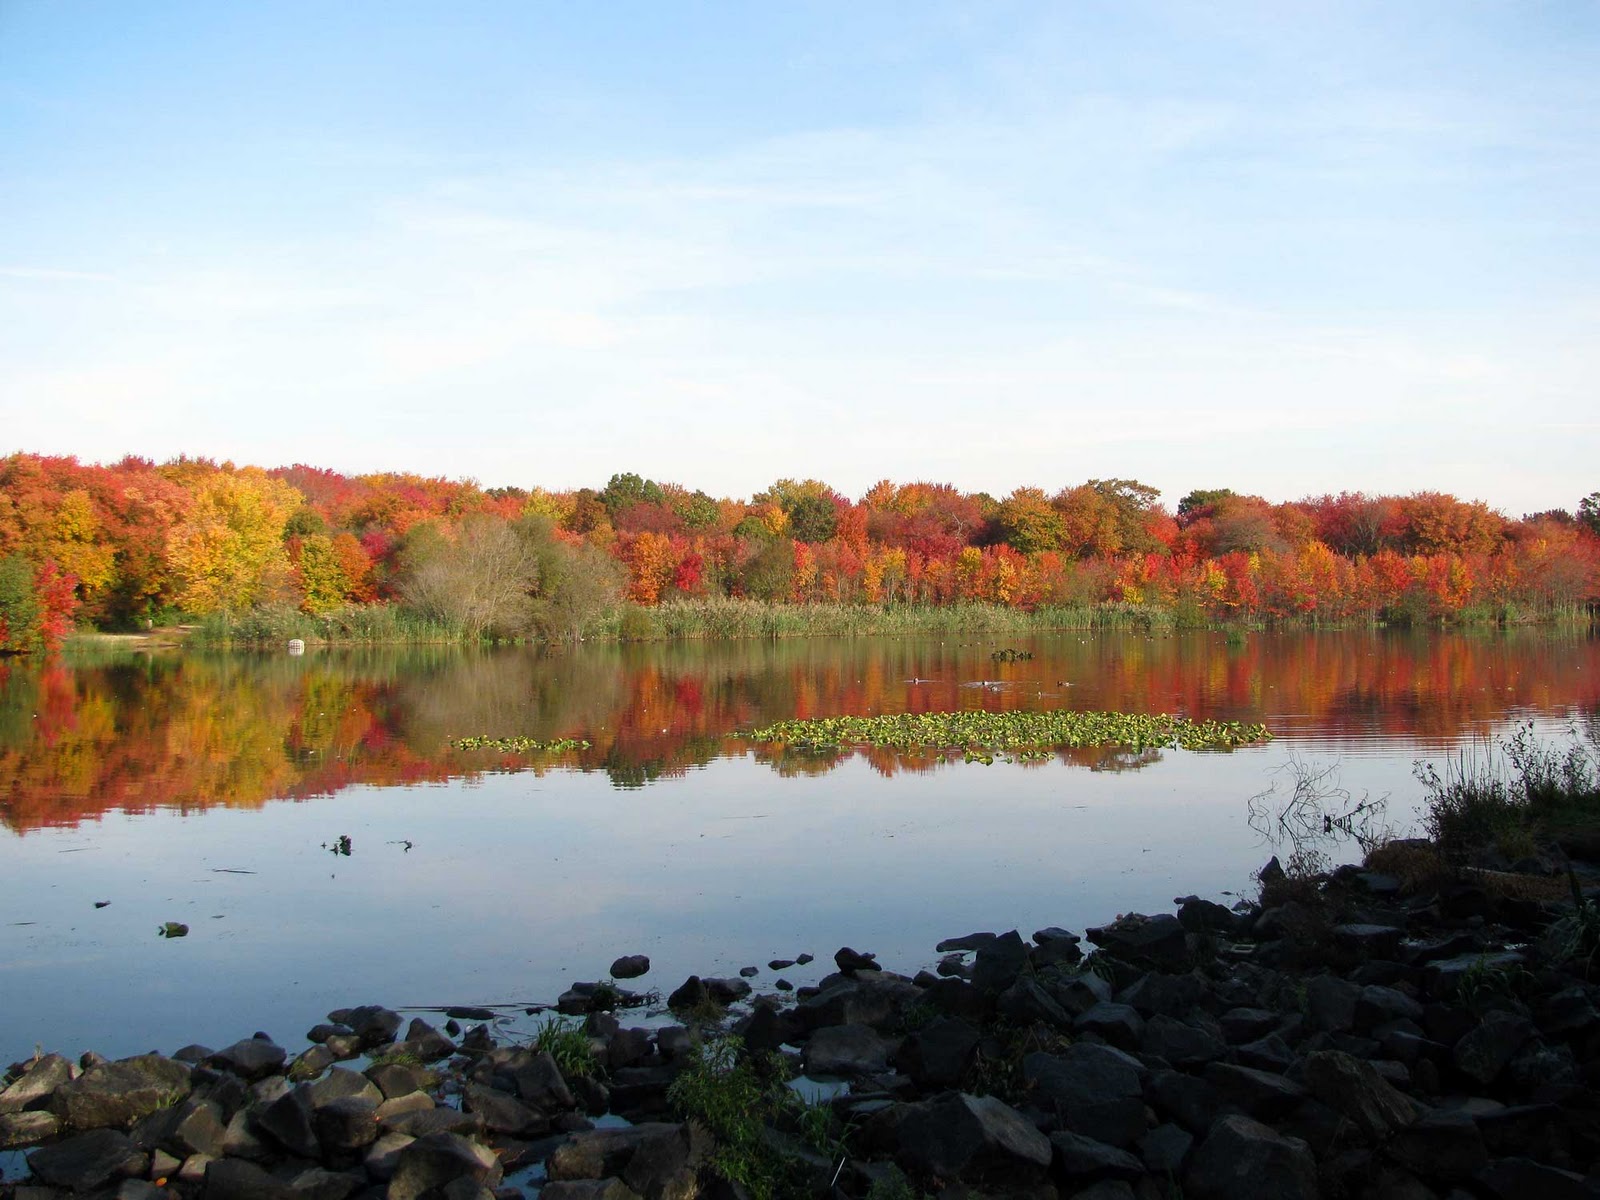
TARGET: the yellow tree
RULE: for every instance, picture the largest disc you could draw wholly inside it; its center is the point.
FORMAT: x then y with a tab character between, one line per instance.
323	582
227	552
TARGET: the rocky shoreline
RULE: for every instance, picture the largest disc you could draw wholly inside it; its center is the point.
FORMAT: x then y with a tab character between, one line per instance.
1400	1030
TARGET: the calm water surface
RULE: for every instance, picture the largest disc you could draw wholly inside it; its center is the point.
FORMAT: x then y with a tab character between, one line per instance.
211	790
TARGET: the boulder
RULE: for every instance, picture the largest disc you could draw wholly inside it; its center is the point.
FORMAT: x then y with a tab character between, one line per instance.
938	1055
1440	1145
959	1132
1242	1159
1159	942
89	1160
250	1058
346	1125
850	1051
439	1159
1080	1160
1484	1052
603	1153
33	1090
119	1093
1095	1090
630	966
235	1179
1354	1089
27	1128
997	965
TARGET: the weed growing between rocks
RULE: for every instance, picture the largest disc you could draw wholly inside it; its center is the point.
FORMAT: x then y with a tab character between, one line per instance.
570	1046
742	1099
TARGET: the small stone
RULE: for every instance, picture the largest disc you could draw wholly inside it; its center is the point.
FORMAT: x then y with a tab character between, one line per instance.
630	966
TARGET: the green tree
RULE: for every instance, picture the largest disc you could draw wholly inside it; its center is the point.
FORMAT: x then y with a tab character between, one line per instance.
19	607
627	489
577	585
1029	522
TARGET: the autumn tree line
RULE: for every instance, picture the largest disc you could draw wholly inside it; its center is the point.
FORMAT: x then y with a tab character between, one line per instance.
137	543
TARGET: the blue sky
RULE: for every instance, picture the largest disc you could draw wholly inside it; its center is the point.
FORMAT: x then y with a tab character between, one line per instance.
1284	247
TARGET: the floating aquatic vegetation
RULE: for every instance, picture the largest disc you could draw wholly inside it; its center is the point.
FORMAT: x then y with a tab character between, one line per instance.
520	745
978	734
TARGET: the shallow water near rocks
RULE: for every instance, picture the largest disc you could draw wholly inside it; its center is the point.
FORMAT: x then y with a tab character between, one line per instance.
215	790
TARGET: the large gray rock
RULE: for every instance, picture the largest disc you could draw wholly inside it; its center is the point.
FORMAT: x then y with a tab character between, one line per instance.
1119	1024
850	1051
235	1179
250	1058
437	1160
1180	1044
27	1128
1242	1159
938	1055
1027	1002
1080	1160
1440	1145
372	1024
89	1160
191	1127
957	1132
346	1125
287	1121
119	1093
603	1153
1483	1053
868	999
343	1084
1094	1090
997	965
538	1080
630	966
1159	942
1259	1093
1331	1003
588	1189
1355	1090
43	1076
500	1113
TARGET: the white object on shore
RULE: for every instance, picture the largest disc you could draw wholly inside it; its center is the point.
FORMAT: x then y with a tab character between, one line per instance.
297	646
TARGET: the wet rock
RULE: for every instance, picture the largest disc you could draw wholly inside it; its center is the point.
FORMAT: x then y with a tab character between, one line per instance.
691	994
850	961
250	1059
938	1055
401	1105
1484	1052
850	1051
318	1183
955	1132
89	1160
242	1141
439	1159
630	1047
630	966
1080	1160
372	1024
1055	953
863	1000
321	1033
1354	1089
347	1124
119	1093
749	972
27	1128
32	1091
1242	1159
727	991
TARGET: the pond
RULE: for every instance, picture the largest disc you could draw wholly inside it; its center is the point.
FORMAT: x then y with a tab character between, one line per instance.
312	824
